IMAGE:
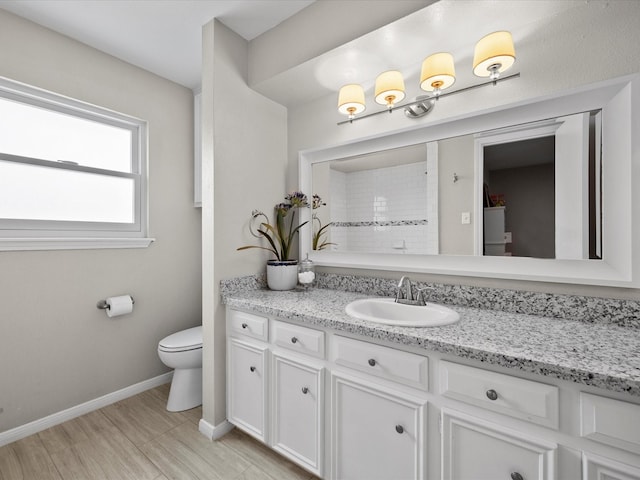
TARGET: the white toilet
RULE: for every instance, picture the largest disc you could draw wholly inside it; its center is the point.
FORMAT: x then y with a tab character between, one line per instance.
182	351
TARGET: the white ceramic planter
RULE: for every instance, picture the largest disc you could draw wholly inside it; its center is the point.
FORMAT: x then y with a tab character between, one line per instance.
282	275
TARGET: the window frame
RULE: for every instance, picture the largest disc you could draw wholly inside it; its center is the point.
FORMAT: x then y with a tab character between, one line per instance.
26	234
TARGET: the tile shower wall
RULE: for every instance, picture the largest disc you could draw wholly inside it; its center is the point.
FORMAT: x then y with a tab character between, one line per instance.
381	210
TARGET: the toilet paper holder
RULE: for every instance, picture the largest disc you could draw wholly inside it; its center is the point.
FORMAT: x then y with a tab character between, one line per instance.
103	305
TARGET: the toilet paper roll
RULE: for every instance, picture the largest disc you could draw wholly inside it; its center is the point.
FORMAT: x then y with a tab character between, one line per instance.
119	305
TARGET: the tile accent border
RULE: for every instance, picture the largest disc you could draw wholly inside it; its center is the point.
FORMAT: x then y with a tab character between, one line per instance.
624	313
381	223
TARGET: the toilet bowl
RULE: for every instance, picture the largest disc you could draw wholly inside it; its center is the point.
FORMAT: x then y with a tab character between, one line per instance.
182	351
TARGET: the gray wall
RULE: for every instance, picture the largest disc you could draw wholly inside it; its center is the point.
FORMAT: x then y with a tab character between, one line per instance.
58	350
455	155
529	194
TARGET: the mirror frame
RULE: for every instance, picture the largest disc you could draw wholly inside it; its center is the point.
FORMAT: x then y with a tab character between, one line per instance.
619	100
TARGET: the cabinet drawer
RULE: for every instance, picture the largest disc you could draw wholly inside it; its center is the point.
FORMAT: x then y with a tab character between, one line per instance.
516	397
395	365
610	421
248	324
300	339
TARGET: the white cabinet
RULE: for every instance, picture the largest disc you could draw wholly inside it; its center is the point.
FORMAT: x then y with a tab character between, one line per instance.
596	467
297	411
347	408
376	433
247	386
275	386
476	450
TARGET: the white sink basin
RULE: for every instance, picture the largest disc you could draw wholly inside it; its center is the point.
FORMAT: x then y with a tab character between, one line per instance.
388	312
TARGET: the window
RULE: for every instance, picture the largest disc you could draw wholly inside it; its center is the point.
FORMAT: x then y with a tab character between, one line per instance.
72	175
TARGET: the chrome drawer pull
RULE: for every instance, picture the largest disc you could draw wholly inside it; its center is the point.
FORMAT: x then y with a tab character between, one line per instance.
493	395
516	476
244	325
399	429
305	390
253	369
372	362
294	340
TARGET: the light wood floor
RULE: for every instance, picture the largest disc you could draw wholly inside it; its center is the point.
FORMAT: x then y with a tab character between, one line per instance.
137	439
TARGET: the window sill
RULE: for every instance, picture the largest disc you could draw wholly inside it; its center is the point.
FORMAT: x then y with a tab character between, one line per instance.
13	244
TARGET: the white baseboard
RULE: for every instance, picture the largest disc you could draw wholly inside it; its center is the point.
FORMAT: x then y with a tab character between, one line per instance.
214	432
36	426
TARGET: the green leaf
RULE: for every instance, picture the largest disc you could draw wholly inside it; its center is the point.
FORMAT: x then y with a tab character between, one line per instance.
270	240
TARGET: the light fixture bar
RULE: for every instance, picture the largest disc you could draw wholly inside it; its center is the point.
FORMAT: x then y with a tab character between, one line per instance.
423	99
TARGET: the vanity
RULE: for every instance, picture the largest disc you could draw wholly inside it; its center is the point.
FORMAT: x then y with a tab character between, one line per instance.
524	385
496	395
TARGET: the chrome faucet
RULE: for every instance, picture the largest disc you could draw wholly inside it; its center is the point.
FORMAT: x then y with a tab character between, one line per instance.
405	293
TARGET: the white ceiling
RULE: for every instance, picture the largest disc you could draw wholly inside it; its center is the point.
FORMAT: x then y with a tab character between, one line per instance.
162	36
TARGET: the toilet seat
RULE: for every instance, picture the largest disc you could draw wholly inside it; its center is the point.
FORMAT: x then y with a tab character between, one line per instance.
190	339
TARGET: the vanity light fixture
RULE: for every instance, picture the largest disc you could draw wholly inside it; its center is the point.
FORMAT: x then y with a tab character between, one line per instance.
351	100
493	54
438	73
389	88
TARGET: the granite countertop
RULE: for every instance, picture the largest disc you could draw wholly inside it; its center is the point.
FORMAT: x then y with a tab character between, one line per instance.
599	355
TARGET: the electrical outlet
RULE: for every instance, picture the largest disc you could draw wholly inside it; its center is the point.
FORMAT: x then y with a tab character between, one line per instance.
466	218
507	237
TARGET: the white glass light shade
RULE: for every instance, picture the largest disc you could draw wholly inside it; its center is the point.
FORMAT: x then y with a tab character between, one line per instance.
495	49
389	88
438	72
351	100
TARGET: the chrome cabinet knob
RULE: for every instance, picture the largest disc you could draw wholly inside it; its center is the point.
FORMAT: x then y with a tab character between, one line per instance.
244	325
305	390
372	362
516	476
493	395
399	429
253	369
294	340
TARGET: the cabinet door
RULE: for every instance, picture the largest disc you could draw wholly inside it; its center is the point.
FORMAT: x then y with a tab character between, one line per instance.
247	387
376	433
476	450
595	467
297	411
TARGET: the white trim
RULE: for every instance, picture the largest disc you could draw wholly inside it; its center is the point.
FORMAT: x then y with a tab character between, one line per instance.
24	234
619	100
12	244
70	413
545	128
214	432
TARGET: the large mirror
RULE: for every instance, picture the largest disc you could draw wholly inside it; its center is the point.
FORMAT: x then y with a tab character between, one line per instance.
422	199
536	191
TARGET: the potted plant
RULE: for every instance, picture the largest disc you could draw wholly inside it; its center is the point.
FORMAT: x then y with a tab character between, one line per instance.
282	272
318	242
